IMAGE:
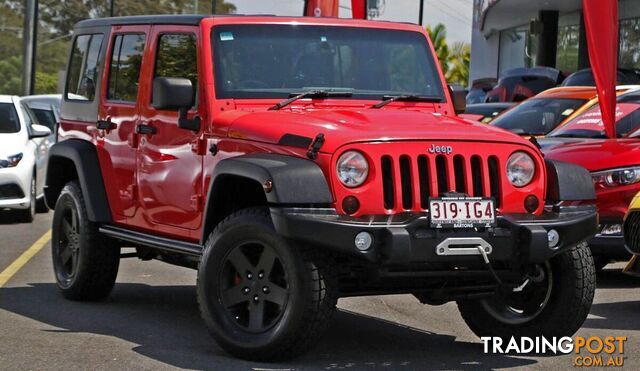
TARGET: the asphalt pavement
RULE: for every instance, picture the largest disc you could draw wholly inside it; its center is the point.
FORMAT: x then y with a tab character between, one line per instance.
151	321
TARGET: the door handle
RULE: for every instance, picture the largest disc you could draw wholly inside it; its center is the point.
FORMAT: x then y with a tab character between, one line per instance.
146	129
105	125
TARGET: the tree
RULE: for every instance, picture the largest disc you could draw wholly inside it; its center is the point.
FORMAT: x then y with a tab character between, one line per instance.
459	60
454	61
438	36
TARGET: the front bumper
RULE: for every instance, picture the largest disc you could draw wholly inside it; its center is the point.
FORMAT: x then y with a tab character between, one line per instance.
17	177
408	238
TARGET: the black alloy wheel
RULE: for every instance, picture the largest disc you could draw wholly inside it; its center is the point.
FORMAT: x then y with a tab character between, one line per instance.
253	286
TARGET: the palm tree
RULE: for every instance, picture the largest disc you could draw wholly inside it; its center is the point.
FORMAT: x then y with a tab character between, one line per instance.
438	36
459	59
455	60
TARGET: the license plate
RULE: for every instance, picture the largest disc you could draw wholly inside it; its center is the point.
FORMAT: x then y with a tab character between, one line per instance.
462	212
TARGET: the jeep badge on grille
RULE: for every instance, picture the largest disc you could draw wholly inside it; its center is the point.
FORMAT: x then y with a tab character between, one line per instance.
447	150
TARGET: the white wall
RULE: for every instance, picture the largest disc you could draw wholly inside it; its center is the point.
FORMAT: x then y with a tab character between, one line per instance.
484	55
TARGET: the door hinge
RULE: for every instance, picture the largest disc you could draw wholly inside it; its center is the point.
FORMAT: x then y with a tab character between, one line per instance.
199	146
196	202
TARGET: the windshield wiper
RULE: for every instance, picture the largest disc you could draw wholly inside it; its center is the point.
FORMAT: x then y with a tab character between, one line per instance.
311	94
406	98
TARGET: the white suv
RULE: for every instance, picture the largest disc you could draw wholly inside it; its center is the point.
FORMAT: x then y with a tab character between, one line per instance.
24	149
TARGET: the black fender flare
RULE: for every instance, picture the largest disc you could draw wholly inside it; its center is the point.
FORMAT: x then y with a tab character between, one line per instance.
285	180
84	157
568	182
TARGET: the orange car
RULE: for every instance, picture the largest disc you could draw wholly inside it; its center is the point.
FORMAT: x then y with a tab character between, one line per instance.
550	109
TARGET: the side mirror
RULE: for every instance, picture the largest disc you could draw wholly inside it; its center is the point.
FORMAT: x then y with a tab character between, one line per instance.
175	94
459	98
39	131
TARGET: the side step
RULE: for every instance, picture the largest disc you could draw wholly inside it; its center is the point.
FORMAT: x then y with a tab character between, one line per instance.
160	243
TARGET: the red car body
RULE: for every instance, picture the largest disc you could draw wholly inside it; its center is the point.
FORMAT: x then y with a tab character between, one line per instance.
290	170
602	155
164	190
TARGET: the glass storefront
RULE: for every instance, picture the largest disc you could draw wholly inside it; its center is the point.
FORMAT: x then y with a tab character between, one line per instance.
629	51
568	42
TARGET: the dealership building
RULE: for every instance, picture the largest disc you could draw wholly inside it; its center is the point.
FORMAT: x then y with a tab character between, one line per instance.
528	33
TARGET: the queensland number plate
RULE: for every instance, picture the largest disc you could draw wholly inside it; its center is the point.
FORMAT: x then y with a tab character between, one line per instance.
462	212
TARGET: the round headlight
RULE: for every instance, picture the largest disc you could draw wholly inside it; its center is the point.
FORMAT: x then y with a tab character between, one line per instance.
352	169
520	169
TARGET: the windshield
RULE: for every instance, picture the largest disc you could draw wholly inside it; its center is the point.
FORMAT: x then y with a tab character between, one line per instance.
275	61
537	116
9	122
590	125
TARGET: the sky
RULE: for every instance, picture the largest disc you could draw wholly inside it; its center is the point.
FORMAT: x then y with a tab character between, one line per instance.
456	15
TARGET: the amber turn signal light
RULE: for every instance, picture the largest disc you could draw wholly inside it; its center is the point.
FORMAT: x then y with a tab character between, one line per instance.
531	203
350	205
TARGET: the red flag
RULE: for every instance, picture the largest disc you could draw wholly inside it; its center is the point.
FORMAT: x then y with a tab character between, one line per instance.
321	8
601	23
359	9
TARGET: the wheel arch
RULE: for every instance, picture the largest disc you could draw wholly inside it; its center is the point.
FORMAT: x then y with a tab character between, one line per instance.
77	159
262	179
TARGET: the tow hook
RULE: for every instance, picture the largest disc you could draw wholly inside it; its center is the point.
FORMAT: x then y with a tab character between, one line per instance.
485	257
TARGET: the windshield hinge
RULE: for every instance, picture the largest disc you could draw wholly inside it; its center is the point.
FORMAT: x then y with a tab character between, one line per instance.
534	141
315	146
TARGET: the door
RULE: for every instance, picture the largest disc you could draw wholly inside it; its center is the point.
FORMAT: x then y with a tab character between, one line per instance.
169	161
119	114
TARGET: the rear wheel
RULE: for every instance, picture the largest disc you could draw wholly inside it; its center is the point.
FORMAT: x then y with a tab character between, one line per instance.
554	301
262	298
84	261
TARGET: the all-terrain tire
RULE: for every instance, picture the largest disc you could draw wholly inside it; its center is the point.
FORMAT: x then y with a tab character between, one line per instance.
574	283
85	262
310	299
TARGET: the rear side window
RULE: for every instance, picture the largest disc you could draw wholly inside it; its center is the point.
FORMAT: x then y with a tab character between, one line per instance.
177	57
126	60
9	122
83	68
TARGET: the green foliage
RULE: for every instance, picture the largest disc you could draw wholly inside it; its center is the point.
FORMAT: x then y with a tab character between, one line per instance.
438	36
46	83
454	60
56	22
10	70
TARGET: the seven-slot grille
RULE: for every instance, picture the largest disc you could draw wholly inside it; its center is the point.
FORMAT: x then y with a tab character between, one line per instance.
632	231
410	180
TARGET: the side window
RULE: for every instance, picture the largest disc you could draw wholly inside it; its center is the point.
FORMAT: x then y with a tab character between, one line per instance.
83	68
126	60
177	57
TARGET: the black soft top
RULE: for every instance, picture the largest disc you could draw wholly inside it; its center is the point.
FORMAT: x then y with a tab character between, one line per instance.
182	19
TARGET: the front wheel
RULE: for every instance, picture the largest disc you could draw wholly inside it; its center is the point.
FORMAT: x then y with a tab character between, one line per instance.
553	301
261	297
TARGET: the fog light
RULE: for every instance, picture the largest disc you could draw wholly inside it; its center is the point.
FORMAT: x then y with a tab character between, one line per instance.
363	241
611	229
350	205
531	203
554	238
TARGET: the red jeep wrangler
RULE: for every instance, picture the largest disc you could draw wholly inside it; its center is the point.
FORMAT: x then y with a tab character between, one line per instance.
293	161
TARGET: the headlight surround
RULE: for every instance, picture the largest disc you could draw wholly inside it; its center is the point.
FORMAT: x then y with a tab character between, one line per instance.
520	169
617	177
10	161
352	169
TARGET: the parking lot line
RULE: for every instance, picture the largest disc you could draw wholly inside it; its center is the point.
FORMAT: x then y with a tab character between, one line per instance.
23	259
